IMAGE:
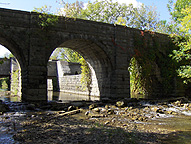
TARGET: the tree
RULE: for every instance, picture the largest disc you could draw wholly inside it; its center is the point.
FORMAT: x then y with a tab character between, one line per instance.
183	55
175	9
106	11
144	18
176	14
70	55
165	27
72	10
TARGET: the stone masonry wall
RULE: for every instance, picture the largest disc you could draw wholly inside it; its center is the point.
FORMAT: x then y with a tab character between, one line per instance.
107	48
70	81
15	83
5	67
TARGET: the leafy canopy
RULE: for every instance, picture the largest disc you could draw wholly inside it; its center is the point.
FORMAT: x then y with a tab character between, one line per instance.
143	17
183	55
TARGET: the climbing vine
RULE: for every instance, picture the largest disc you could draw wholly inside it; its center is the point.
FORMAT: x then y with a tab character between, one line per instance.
15	82
137	83
149	67
86	79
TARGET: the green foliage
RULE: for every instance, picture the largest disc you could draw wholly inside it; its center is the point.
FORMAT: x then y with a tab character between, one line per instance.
2	60
137	83
86	75
66	54
165	27
176	8
4	83
106	11
15	81
46	19
70	55
183	54
144	18
150	67
72	10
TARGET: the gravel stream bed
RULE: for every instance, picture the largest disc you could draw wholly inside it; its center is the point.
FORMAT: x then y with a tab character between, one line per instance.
123	122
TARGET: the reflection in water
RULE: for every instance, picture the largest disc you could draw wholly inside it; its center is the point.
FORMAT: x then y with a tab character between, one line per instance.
138	96
10	98
6	96
65	97
52	96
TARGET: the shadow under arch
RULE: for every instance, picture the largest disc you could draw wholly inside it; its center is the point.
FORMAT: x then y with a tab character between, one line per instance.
96	57
14	48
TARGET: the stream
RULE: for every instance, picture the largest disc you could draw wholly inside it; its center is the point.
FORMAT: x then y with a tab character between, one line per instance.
172	121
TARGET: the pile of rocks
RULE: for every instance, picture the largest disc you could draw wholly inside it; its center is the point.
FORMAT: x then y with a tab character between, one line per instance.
132	109
135	110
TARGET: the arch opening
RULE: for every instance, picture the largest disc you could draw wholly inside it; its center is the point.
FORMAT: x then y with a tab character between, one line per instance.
10	76
137	83
71	82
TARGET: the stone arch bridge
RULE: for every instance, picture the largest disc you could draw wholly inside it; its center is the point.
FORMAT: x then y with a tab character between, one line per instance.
107	48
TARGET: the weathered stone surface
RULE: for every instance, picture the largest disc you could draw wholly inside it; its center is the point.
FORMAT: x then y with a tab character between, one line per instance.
107	48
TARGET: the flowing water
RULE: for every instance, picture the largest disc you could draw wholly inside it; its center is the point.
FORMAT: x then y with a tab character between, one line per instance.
179	125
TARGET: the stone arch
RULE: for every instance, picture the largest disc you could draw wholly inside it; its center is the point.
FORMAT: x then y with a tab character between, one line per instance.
94	54
13	47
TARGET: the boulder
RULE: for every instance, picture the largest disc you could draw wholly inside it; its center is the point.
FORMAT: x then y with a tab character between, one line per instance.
110	111
96	110
70	108
120	104
92	106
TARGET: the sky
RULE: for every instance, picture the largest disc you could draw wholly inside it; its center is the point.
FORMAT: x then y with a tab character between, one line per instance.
29	5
